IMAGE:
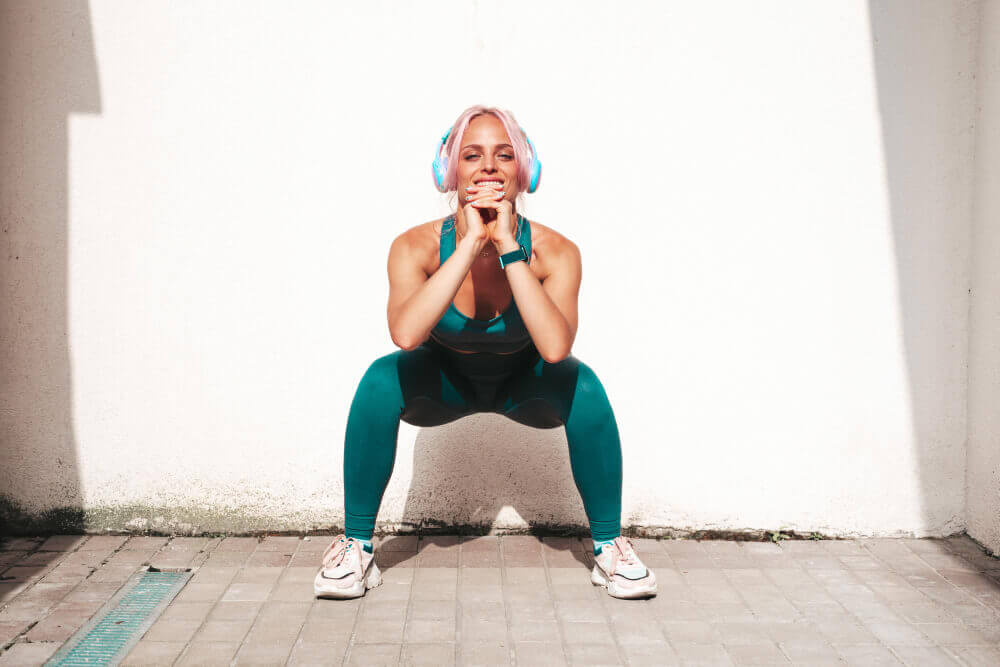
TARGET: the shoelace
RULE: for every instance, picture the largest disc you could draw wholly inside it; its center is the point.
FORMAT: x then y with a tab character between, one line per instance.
623	554
337	551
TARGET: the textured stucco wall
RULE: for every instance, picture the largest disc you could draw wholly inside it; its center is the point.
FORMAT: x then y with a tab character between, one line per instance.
773	212
984	346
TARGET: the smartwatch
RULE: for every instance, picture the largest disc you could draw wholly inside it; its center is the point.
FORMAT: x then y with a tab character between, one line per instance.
516	256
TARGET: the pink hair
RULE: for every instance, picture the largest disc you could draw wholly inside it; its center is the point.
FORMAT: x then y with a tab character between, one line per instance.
522	151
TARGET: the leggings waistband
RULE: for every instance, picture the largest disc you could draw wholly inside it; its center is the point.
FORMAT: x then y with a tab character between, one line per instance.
485	367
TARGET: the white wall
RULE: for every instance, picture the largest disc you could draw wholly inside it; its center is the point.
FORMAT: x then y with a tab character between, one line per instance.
984	338
773	211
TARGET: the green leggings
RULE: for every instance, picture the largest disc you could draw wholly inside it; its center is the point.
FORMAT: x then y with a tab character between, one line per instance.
430	386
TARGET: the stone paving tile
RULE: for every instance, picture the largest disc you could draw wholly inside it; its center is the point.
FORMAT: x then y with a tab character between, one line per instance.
208	653
201	592
363	655
20	543
9	590
308	653
153	653
272	559
62	542
269	652
692	653
317	543
218	630
246	592
756	654
57	626
219	558
197	611
172	630
440	653
651	654
284	544
919	657
145	543
594	654
244	544
489	600
978	656
490	652
875	655
34	653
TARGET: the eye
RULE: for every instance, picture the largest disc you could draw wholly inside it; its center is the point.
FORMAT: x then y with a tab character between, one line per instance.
471	155
508	156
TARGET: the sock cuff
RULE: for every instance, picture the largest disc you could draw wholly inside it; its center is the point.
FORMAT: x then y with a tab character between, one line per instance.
600	544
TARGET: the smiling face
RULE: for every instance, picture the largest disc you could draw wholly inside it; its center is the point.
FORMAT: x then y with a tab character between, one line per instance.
487	155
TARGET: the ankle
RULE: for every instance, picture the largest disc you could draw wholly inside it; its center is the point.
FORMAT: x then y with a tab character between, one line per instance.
368	545
600	544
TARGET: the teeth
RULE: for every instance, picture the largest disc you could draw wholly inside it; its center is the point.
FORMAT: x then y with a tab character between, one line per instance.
489	183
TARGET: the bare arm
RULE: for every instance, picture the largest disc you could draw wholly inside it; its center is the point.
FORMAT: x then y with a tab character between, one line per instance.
549	307
416	301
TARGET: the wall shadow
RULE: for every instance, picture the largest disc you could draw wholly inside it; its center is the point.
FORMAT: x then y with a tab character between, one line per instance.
48	71
467	472
924	63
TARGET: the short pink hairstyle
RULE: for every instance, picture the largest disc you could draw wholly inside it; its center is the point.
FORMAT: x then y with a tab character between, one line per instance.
522	151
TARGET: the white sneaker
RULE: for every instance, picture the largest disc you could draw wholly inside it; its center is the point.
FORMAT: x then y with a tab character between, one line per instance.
619	569
348	571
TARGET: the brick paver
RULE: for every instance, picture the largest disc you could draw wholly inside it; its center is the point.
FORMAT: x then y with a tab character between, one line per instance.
449	600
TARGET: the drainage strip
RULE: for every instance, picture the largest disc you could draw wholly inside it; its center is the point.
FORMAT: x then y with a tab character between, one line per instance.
117	626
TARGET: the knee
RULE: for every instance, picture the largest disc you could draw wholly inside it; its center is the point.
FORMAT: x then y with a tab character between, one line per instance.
589	392
382	377
577	390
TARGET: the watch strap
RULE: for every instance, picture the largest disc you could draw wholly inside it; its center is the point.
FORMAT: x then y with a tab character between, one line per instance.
518	255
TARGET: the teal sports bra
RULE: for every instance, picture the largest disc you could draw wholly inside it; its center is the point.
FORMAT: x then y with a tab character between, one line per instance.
503	334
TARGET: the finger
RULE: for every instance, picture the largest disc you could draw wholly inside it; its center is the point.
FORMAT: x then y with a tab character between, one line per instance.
472	196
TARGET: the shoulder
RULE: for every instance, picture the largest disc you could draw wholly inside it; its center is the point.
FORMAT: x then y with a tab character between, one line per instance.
421	244
553	251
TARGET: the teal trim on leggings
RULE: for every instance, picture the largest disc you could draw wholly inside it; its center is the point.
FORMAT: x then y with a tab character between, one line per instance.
430	386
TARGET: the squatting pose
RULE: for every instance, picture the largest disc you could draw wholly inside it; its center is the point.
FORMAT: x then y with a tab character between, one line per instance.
483	304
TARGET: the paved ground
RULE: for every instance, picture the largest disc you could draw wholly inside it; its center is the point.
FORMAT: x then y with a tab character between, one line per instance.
520	600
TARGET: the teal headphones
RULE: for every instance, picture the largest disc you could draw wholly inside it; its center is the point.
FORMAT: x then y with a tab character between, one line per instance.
440	164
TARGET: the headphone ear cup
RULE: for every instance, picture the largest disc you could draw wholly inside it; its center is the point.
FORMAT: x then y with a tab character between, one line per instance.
440	164
535	171
439	170
536	175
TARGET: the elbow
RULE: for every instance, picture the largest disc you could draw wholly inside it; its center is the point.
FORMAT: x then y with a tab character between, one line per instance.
557	351
403	339
404	342
554	356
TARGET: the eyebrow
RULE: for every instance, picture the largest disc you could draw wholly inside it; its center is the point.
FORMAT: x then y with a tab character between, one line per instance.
480	147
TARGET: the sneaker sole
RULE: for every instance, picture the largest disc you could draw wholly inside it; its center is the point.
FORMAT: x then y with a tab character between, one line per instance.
598	578
371	580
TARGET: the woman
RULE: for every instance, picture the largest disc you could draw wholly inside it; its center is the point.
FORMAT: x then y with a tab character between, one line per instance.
484	306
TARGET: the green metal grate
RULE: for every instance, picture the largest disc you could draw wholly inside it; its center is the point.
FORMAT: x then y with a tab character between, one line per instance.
108	637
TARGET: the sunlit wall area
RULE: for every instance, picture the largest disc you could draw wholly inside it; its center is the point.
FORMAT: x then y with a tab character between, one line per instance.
773	202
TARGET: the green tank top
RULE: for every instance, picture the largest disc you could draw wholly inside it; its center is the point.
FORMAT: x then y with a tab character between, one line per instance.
505	333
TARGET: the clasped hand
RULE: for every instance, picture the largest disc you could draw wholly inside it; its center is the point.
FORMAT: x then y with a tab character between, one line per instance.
500	230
